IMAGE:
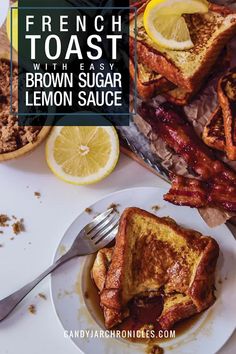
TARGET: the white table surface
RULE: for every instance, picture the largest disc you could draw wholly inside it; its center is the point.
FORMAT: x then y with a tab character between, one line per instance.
46	220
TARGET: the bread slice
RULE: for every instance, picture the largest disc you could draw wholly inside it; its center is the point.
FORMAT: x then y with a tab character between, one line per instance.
187	69
148	83
213	133
227	100
154	256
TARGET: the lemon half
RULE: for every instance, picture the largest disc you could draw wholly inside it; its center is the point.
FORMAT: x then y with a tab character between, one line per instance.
14	26
82	155
165	25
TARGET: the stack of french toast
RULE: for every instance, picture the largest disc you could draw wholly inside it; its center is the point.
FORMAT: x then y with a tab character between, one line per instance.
179	76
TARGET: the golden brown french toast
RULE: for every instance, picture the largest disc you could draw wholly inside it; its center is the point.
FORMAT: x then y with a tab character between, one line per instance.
187	68
148	83
227	101
154	260
213	133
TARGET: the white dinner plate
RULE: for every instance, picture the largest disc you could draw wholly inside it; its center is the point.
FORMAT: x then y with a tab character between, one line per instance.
76	313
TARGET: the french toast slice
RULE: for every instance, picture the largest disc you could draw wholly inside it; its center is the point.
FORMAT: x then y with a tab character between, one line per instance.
227	100
213	133
179	96
148	83
187	68
154	257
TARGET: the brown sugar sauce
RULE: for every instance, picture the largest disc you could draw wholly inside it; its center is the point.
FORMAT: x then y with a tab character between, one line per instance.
143	311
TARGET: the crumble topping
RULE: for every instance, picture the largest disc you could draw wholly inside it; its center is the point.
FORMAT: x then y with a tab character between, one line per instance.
12	136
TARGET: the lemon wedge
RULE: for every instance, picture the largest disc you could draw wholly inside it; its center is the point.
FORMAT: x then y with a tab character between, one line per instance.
14	26
165	25
82	155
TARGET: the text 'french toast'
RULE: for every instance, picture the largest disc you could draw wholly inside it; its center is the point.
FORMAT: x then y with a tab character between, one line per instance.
154	258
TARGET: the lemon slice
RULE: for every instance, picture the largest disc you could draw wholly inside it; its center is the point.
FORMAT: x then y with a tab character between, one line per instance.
165	25
82	155
14	26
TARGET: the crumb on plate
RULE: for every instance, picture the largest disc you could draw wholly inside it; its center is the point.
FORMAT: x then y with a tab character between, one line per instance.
156	207
156	350
114	206
43	296
88	210
32	309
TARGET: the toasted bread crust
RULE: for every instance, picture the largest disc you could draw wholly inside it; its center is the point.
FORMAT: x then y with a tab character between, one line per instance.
228	114
213	132
177	313
151	88
199	292
179	96
162	64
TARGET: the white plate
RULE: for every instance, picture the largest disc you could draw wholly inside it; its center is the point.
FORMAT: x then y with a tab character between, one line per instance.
208	334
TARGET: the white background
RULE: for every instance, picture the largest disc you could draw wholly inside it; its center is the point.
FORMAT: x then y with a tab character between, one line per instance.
46	220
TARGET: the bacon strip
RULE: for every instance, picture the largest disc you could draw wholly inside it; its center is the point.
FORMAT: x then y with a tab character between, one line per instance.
215	184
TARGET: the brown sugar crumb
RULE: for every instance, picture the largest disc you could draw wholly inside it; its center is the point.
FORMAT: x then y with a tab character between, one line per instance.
3	220
114	207
156	350
32	309
12	238
37	194
43	296
156	207
18	227
12	135
88	210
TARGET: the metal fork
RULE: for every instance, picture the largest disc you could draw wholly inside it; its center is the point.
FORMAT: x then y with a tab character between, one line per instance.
94	236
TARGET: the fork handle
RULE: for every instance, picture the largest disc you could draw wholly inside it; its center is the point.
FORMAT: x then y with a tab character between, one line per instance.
10	302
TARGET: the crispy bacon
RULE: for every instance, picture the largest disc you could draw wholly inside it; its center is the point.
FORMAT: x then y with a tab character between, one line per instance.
215	183
199	194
